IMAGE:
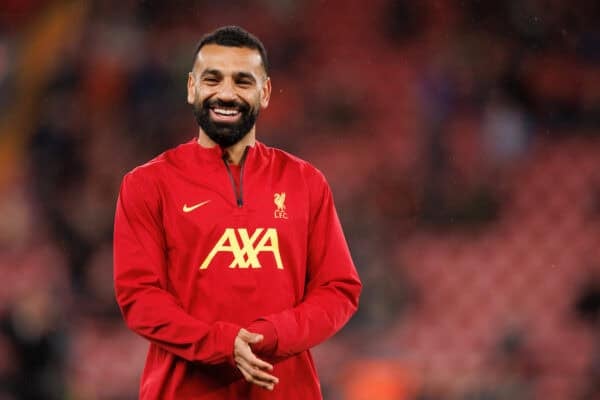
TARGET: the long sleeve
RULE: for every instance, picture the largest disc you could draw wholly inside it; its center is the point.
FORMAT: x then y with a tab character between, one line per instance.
140	278
333	286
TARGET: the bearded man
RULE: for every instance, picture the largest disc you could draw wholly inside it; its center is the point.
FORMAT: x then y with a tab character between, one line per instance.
229	257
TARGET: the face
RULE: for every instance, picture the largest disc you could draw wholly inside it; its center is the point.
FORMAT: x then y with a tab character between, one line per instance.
227	87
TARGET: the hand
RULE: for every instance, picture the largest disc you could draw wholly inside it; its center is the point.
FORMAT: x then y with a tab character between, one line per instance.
252	367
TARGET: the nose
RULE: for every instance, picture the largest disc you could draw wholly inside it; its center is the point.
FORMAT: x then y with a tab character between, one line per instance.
227	90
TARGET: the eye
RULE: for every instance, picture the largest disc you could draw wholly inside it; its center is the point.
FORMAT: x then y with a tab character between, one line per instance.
210	80
245	83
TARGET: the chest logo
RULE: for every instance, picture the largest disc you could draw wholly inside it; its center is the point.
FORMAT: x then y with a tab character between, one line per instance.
279	200
187	209
245	248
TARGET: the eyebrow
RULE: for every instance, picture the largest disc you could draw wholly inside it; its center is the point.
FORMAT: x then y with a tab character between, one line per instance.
211	72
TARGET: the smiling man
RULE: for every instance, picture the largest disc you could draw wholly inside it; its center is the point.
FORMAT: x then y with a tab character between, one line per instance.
229	256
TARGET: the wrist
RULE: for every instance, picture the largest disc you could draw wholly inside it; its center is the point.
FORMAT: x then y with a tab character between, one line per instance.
268	345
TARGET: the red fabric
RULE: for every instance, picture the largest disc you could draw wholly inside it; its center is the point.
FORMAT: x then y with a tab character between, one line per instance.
235	173
191	268
269	343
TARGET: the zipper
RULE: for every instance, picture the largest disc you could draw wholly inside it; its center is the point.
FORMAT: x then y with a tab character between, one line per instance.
238	191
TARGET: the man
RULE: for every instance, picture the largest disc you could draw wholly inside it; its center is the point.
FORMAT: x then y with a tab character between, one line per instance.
228	254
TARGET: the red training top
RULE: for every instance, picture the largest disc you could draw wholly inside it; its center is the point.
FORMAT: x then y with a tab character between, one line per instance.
197	257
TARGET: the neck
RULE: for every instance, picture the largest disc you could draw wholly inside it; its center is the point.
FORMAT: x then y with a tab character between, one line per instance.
234	152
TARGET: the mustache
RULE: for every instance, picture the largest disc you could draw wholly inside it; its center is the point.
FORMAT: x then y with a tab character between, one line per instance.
242	106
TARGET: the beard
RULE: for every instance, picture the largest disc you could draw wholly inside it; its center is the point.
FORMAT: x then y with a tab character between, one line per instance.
225	134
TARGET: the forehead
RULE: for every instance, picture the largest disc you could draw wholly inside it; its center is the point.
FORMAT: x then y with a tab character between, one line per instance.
228	59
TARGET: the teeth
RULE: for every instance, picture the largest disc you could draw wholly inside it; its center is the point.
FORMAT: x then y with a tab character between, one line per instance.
224	111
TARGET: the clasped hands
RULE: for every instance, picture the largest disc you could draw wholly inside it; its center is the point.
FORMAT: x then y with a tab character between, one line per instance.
254	369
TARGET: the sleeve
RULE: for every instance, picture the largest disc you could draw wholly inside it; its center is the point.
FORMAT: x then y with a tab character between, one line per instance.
332	289
140	280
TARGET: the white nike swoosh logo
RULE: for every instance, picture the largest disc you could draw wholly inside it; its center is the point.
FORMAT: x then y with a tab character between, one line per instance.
187	209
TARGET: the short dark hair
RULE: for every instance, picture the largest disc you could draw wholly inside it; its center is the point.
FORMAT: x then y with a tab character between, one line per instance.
234	36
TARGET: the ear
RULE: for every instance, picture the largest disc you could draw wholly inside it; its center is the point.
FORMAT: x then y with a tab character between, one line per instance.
265	93
191	88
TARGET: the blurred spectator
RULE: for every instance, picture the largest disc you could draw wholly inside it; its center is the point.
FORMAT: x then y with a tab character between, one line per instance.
460	139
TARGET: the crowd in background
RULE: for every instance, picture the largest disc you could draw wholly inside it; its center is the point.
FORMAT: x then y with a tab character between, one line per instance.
461	140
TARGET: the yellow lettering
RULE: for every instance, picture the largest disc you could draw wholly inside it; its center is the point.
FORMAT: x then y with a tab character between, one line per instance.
271	236
248	250
228	236
246	254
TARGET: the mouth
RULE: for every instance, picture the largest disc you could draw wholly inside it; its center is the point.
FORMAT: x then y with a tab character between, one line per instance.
225	114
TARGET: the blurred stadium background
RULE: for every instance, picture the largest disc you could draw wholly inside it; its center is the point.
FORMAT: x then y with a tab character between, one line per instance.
461	139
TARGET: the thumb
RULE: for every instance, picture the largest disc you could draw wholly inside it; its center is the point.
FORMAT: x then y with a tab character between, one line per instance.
249	337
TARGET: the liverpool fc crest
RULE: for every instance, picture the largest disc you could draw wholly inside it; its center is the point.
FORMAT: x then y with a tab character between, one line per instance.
279	200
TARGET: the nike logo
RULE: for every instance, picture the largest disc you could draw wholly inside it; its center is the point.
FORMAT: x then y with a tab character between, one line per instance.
187	209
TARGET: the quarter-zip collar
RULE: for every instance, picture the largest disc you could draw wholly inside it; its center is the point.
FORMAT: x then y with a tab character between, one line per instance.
203	164
212	156
237	189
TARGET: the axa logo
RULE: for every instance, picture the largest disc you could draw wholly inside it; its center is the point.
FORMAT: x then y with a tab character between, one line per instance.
245	247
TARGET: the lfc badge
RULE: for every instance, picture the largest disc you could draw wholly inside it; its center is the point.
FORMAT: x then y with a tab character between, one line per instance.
279	200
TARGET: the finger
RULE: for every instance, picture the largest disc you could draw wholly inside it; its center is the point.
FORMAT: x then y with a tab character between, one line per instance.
249	378
256	373
255	361
249	337
243	350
